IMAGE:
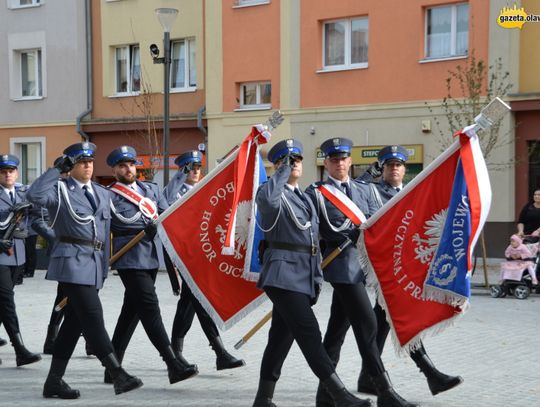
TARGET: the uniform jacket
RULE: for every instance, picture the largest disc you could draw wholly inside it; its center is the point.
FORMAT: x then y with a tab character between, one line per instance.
19	256
345	268
384	192
289	270
176	187
143	256
70	262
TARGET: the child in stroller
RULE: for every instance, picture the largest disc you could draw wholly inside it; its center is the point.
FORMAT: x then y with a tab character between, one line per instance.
518	272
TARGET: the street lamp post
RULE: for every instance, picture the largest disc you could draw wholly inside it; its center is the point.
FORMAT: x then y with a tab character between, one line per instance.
166	17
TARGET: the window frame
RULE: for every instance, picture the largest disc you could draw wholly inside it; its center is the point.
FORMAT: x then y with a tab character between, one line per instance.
16	147
347	46
38	72
249	3
256	106
453	33
129	68
16	4
189	42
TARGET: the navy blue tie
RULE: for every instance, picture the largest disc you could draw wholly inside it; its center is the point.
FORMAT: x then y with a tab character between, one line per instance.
12	197
90	198
347	189
303	198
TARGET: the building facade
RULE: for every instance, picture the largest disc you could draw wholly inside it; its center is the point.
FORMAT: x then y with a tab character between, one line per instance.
43	82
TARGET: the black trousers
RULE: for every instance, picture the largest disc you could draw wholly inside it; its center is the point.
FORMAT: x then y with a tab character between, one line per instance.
30	249
339	324
8	313
293	319
351	306
186	309
83	314
140	303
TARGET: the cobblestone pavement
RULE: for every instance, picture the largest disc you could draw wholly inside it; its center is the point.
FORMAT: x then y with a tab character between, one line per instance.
493	347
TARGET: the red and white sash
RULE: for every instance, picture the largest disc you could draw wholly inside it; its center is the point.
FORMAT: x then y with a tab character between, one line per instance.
147	207
343	203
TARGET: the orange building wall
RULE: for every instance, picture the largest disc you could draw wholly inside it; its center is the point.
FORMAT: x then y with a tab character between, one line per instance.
58	138
118	107
396	44
251	44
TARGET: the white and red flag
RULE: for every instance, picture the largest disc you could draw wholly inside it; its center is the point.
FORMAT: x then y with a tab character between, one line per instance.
418	246
210	234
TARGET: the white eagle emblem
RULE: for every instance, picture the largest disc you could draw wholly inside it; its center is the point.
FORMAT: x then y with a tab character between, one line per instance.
426	247
241	231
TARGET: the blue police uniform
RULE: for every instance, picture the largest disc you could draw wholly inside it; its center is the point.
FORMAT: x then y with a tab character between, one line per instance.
138	268
188	305
350	301
291	277
12	263
81	218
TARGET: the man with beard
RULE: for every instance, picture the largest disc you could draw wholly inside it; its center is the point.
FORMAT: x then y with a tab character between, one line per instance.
80	213
189	164
135	206
12	256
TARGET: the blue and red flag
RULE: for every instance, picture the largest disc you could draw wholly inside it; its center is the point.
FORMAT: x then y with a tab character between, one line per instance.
210	234
418	246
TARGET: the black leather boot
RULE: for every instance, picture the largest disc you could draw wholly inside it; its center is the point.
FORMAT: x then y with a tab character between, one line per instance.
265	393
178	370
177	346
55	386
365	384
122	381
23	355
322	398
386	395
340	394
52	333
224	360
437	381
3	342
107	379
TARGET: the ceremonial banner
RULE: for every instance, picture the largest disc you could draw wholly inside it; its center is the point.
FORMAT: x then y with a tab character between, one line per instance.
401	244
209	234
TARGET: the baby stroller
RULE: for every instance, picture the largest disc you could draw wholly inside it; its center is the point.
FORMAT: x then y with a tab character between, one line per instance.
516	276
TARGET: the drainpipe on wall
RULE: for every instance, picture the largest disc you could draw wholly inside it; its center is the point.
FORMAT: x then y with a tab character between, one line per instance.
89	107
203	130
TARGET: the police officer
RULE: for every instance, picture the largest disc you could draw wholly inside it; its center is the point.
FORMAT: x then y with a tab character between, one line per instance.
189	164
80	213
291	277
344	272
392	160
135	207
12	255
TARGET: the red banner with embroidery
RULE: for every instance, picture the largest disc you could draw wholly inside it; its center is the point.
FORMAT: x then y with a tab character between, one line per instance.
390	244
194	232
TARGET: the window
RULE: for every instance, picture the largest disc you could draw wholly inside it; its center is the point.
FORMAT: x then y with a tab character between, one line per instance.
128	69
31	79
256	95
447	31
183	67
345	44
31	153
27	57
